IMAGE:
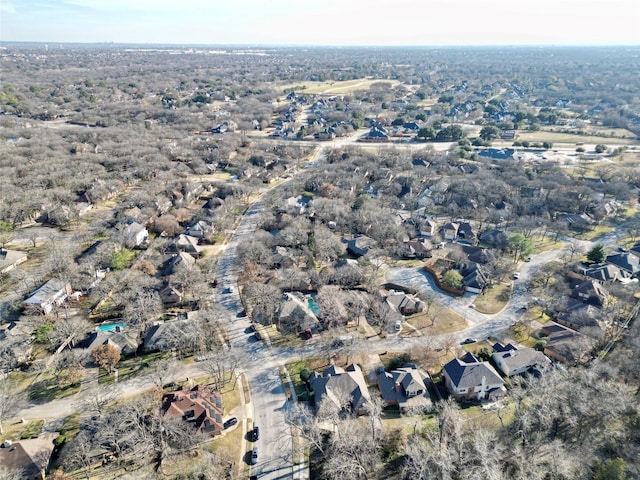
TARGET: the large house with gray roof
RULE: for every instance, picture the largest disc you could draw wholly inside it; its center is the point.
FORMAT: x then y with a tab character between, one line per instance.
512	360
405	387
468	378
346	388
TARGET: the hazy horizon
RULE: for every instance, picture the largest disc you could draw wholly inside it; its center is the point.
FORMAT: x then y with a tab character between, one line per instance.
372	23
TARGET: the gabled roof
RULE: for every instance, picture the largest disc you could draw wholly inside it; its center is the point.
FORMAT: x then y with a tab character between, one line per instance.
627	261
200	405
469	371
50	289
591	289
9	258
520	358
29	457
340	385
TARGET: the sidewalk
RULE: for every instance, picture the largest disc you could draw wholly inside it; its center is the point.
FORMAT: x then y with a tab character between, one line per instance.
300	465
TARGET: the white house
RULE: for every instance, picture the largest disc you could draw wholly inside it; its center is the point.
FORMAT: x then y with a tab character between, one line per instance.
135	234
52	293
512	361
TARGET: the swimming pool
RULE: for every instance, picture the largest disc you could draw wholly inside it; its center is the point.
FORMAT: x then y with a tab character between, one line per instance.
313	306
110	327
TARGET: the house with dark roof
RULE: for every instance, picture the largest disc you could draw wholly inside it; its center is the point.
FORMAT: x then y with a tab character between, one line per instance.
626	261
468	378
164	336
405	387
590	292
200	406
512	360
188	244
466	232
474	279
601	273
10	259
53	293
345	388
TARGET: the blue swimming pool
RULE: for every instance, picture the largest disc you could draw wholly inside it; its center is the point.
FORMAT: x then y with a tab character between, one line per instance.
111	327
313	306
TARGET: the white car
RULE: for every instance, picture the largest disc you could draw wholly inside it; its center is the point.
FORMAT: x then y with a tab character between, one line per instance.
398	326
516	275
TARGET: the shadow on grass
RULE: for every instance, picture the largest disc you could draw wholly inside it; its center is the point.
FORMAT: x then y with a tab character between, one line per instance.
47	390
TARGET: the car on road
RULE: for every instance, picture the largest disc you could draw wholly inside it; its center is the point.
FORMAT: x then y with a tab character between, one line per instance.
257	336
623	250
230	289
255	434
398	326
230	423
254	456
253	477
516	275
467	341
241	314
528	259
472	305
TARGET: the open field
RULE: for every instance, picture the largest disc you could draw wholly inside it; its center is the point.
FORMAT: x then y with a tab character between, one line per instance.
559	137
334	87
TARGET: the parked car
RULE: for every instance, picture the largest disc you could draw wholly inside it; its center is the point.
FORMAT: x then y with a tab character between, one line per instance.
516	275
230	289
306	334
528	259
398	326
230	423
466	341
255	434
254	456
257	336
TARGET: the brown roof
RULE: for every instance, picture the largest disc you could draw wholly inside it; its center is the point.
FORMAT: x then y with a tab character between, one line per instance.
200	405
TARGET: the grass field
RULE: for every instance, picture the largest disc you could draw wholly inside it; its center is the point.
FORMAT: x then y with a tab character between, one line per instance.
447	321
337	87
493	299
559	137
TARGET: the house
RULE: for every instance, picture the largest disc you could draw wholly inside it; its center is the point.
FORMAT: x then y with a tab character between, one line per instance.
345	388
178	260
468	378
376	134
165	336
198	229
29	458
188	244
170	295
465	232
403	303
578	222
405	387
359	245
627	262
416	249
579	315
134	234
125	341
474	279
511	360
563	344
590	292
295	313
601	273
426	227
10	259
450	230
494	238
200	406
508	134
53	293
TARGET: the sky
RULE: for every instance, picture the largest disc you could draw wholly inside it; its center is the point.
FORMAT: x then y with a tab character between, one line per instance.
323	22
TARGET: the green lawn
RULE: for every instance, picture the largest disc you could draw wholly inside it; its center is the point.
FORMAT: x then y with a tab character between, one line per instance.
32	429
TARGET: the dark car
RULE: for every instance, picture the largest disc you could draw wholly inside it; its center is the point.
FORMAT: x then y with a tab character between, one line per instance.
252	327
230	423
253	477
242	313
255	434
257	336
468	340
